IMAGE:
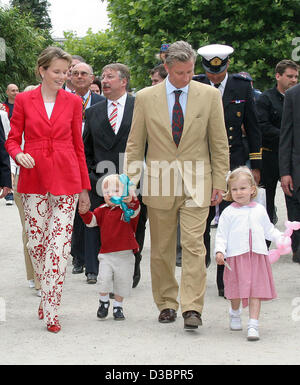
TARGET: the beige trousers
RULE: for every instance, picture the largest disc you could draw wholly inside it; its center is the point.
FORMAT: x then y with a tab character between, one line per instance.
163	232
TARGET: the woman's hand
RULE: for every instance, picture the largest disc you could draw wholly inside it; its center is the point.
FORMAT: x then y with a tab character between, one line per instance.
25	160
220	258
84	202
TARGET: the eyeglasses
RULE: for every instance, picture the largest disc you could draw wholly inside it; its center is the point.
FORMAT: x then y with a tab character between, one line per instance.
81	73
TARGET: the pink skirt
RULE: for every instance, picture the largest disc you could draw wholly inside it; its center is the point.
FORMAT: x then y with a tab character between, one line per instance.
250	277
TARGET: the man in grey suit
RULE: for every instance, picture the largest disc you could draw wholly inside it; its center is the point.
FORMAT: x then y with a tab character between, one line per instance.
85	241
105	140
289	160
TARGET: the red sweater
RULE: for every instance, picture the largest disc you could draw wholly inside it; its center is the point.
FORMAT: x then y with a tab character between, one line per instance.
115	233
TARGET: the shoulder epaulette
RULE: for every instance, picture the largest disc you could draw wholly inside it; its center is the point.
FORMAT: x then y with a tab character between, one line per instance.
238	76
199	77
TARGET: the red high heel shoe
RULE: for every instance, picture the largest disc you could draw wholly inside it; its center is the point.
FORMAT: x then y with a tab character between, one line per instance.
41	313
53	328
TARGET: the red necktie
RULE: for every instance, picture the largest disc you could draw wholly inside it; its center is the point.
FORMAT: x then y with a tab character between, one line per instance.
113	116
177	119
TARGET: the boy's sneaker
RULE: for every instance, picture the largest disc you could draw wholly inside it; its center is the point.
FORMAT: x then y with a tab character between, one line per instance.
235	321
103	309
118	313
253	334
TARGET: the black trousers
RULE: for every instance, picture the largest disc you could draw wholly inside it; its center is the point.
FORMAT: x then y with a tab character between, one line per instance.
293	213
85	245
141	227
211	215
269	179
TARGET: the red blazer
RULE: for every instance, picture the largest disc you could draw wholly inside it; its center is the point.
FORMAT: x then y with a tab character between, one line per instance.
56	144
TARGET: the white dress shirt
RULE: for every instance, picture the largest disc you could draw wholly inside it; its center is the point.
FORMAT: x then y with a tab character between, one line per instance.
171	97
235	222
120	106
222	85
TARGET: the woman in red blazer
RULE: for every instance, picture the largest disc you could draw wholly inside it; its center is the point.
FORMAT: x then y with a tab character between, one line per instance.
53	174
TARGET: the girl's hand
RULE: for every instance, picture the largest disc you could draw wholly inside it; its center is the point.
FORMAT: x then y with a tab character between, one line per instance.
220	258
25	160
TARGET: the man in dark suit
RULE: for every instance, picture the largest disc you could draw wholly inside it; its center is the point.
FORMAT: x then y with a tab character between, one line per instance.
5	176
289	160
239	109
85	241
105	136
269	107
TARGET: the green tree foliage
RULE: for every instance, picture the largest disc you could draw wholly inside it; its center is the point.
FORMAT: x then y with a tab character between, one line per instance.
98	49
20	46
38	10
261	32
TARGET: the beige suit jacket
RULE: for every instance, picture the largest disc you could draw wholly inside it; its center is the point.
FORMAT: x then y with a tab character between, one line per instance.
201	160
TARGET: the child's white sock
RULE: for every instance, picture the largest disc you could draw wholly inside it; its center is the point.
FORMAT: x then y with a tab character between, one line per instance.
253	323
235	313
117	304
104	298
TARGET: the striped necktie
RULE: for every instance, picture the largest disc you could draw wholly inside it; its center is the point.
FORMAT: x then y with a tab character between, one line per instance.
113	117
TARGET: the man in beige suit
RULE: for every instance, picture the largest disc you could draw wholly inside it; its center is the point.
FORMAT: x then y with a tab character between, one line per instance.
187	161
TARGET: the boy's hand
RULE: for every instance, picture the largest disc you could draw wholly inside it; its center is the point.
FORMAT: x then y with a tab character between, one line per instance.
220	258
127	199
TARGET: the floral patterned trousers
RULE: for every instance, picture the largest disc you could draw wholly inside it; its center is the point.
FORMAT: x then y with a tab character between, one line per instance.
49	225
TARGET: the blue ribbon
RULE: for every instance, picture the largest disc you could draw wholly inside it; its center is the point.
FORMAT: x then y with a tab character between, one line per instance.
128	213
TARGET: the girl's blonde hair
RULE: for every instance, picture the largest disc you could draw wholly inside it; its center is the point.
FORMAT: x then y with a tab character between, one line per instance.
234	175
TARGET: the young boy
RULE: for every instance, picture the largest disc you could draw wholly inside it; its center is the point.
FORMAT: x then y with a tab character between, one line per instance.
118	244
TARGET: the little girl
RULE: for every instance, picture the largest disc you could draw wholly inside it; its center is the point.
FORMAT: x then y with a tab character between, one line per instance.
118	243
241	247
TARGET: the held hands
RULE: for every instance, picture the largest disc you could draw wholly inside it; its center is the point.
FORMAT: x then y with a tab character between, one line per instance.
216	197
84	202
25	160
220	258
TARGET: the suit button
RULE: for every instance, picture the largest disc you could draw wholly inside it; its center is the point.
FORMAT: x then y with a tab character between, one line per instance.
230	138
231	128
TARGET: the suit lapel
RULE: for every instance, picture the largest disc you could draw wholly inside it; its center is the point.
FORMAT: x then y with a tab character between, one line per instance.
227	95
59	106
192	108
105	131
38	104
160	106
127	118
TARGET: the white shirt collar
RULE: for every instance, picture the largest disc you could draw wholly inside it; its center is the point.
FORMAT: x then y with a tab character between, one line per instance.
170	88
86	95
121	100
223	82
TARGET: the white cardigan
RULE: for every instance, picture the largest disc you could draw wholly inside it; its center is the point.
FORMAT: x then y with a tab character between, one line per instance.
232	237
